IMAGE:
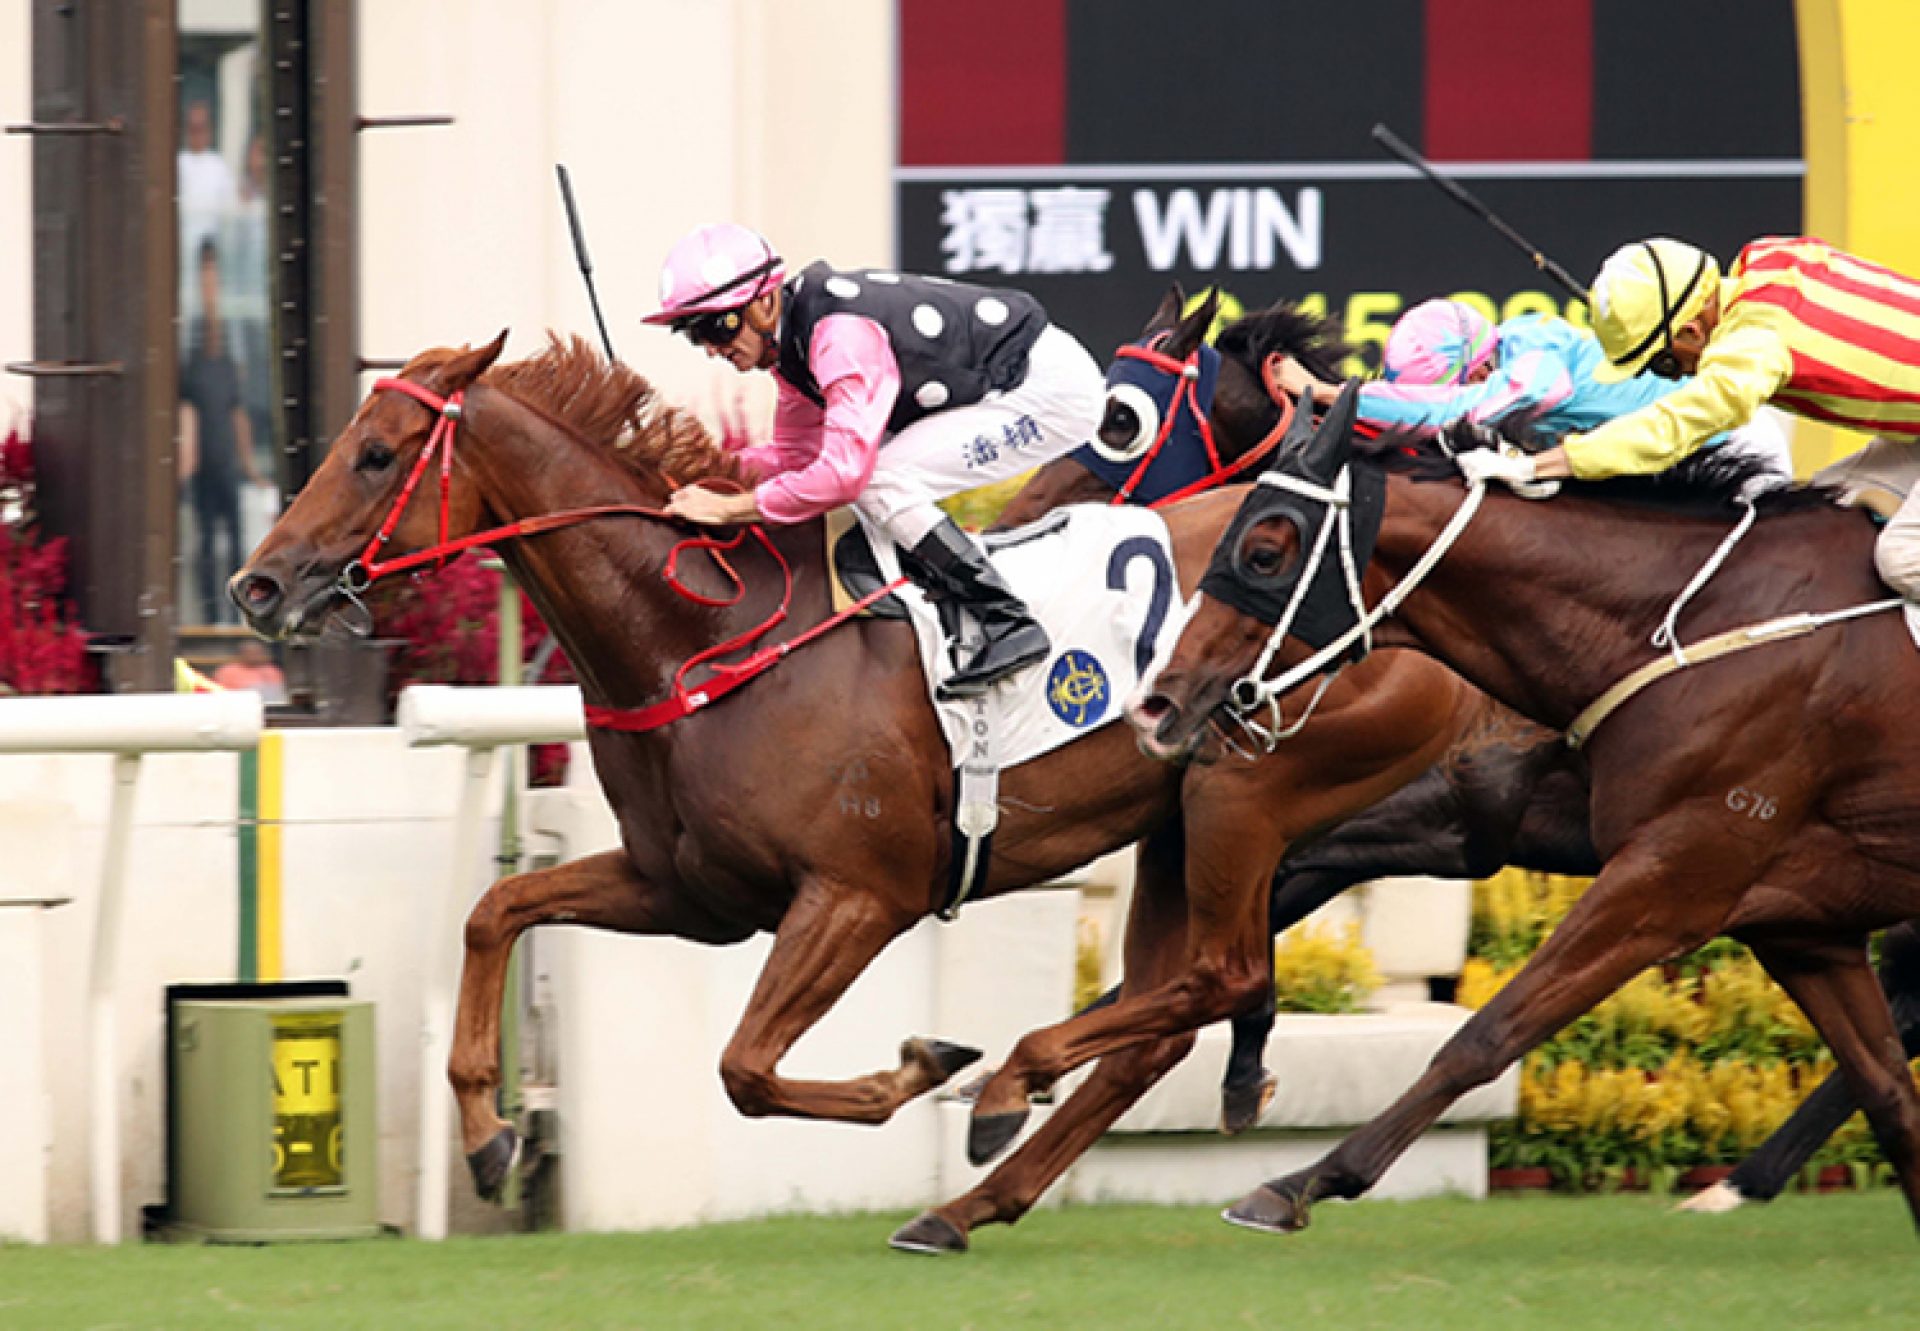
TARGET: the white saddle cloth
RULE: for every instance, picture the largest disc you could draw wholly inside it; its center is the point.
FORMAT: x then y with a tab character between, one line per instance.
1101	579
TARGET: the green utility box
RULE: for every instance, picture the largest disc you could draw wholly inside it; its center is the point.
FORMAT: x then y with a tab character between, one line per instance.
270	1130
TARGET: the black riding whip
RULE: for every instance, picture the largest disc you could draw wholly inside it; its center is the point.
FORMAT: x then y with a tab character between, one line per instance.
580	253
1392	142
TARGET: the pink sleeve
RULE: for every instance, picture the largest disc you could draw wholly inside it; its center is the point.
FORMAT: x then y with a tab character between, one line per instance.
796	435
853	362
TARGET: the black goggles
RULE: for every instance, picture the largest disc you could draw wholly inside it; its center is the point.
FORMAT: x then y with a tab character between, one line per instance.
713	328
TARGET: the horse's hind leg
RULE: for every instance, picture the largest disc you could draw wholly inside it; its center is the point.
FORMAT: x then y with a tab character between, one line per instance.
599	891
1836	988
1762	1175
829	935
1625	922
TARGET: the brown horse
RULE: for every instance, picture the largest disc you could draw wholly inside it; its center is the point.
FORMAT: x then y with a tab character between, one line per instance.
1765	795
1507	791
720	811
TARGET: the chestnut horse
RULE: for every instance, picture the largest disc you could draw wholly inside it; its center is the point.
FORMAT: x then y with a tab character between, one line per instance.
1765	795
720	812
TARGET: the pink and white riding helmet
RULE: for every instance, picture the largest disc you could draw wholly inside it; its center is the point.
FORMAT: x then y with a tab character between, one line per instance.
720	266
1440	343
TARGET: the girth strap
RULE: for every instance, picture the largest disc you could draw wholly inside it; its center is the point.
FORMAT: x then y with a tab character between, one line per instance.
1720	644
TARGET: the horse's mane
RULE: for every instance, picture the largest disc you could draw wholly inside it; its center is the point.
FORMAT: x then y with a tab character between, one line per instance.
1317	342
612	406
1709	483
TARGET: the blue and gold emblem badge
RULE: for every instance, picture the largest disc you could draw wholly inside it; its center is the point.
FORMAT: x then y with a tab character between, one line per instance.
1078	690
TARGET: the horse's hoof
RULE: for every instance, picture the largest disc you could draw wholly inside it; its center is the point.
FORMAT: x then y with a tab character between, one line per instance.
990	1134
1241	1105
1267	1211
946	1059
1719	1198
968	1091
493	1164
928	1232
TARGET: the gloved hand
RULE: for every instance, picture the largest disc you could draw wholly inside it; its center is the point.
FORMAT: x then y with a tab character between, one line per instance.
1463	435
1510	467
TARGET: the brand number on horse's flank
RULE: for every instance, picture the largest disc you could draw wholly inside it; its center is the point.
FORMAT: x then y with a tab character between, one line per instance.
855	803
1752	803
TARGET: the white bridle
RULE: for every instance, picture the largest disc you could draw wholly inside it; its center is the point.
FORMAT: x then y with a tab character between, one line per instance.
1253	690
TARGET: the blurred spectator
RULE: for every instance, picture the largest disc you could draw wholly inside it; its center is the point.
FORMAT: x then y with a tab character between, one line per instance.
243	286
253	669
204	180
216	443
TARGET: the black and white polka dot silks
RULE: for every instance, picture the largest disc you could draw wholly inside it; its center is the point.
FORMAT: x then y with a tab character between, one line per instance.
955	343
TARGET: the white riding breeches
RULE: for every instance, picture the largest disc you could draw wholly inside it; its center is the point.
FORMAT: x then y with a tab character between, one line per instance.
1885	477
1897	553
1050	412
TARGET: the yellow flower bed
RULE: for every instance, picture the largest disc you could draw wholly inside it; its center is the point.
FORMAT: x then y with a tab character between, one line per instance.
1690	1064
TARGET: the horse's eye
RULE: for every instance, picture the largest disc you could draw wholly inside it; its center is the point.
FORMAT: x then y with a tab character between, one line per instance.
1130	425
376	456
1264	561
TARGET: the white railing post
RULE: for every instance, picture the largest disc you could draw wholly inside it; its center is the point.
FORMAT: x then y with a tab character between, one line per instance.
128	726
480	719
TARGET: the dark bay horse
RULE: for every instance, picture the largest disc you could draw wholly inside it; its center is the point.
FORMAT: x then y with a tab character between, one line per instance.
721	811
1506	792
1765	794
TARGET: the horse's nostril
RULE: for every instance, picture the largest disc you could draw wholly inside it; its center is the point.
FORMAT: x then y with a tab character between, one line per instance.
255	593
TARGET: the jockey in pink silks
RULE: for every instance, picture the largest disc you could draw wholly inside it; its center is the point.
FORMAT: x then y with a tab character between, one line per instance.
895	391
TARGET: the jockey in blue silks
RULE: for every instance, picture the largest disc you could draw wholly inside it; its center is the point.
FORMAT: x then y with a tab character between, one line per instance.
1446	362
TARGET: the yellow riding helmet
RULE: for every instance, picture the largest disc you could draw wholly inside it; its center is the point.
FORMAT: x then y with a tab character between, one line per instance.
1644	291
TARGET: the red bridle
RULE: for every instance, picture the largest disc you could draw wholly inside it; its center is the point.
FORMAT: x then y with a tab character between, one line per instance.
361	573
1186	393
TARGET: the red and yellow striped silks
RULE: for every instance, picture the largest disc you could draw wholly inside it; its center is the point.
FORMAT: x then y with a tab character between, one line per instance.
1852	327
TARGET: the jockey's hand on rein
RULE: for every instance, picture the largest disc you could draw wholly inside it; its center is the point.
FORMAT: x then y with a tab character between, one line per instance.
1506	464
711	508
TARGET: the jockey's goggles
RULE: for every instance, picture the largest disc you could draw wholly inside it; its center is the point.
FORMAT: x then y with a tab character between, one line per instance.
711	328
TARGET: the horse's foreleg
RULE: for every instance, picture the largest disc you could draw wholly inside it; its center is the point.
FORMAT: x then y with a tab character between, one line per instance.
599	891
1836	989
1222	970
829	935
1018	1181
1624	923
1156	932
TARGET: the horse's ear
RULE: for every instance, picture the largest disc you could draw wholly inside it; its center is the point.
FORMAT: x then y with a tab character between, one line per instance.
1191	331
1167	314
469	363
1327	452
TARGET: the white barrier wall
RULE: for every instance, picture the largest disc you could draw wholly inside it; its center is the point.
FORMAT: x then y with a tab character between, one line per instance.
368	821
647	1135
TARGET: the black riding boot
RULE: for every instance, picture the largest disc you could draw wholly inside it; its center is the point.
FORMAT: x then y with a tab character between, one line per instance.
951	568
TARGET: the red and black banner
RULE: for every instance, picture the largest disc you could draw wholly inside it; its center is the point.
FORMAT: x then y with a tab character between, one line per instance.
1093	150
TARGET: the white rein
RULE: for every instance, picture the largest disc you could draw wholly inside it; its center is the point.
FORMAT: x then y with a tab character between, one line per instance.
1253	690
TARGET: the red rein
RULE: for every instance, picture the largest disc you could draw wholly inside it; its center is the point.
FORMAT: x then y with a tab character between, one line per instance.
1185	394
682	701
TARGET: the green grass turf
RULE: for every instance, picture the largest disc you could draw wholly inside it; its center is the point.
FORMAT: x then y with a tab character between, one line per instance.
1848	1261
